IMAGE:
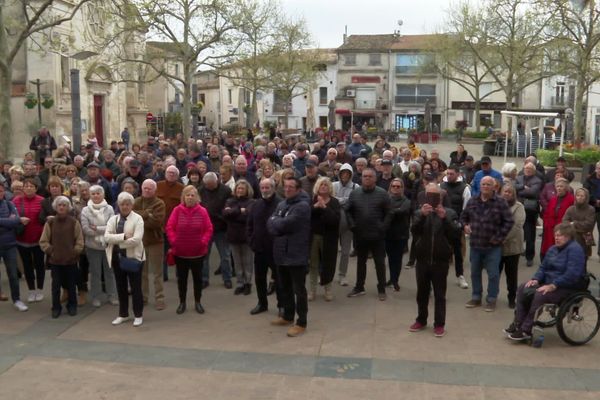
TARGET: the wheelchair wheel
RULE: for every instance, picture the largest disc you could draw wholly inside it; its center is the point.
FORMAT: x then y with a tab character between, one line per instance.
578	319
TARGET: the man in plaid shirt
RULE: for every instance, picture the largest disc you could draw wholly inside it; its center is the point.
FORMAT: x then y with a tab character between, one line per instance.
487	219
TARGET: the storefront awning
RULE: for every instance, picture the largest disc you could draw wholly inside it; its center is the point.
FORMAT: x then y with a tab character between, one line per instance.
364	113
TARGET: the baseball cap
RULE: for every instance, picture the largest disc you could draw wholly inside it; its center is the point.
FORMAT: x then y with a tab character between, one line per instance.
485	159
469	158
386	162
311	163
301	147
134	164
93	164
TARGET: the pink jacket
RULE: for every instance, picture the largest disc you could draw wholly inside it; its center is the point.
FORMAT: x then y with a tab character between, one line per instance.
189	231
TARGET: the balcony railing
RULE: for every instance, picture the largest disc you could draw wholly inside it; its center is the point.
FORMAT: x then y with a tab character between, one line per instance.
414	70
414	100
366	103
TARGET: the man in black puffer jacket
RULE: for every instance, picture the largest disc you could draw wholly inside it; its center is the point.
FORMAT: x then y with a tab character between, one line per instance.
290	226
368	218
434	230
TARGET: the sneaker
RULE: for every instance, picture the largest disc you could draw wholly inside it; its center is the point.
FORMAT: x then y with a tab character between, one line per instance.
343	281
19	305
138	322
439	331
281	322
490	306
356	292
39	296
416	327
396	287
381	296
120	320
96	303
114	302
409	264
473	303
519	335
296	331
462	282
312	295
512	328
31	297
388	283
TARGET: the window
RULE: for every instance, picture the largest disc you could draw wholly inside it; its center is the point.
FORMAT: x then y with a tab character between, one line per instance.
65	74
202	97
485	89
350	59
374	59
229	100
559	94
279	103
176	69
412	64
415	94
468	116
323	96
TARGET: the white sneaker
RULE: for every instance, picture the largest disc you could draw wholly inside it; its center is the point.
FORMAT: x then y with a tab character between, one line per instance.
120	320
19	305
96	303
31	297
462	282
138	322
113	302
343	282
39	296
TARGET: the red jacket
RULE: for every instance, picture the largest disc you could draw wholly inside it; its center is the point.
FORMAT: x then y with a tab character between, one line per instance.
189	231
553	217
32	207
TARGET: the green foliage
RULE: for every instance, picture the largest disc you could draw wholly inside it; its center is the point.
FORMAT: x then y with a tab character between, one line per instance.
476	135
575	157
547	157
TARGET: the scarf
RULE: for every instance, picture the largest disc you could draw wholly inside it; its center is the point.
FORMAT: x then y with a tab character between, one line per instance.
97	211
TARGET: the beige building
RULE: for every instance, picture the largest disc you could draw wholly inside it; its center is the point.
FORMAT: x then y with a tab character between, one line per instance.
106	106
163	95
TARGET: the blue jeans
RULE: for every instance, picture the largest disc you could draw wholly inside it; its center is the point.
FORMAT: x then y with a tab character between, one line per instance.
488	259
220	240
9	255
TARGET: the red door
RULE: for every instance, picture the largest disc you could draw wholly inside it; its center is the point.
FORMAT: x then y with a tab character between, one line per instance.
98	119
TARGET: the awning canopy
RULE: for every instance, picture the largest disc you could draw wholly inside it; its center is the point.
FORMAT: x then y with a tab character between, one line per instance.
347	112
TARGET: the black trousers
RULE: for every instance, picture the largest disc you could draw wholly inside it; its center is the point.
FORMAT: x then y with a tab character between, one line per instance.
263	261
84	273
529	232
33	266
510	264
431	275
293	292
184	266
64	276
125	280
458	257
377	247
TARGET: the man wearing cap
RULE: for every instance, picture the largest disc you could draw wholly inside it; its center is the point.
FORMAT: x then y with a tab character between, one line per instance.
468	169
94	177
356	148
486	170
109	163
343	156
327	167
301	158
133	171
403	165
308	181
386	176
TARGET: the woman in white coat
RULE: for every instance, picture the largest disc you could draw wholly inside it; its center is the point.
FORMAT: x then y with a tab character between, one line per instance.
124	234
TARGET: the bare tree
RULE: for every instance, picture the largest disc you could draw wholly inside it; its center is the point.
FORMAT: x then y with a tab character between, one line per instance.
20	20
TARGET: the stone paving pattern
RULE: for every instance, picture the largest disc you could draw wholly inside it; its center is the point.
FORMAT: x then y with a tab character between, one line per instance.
357	348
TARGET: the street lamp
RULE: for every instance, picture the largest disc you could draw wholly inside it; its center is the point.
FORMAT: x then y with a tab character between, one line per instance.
76	99
568	117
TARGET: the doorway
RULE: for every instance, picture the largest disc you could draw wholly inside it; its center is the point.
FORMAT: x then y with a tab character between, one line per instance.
99	119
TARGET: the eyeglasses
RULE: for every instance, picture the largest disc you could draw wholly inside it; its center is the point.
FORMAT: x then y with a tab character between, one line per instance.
396	187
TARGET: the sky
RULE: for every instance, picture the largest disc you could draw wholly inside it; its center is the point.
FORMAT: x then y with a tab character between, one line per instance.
326	18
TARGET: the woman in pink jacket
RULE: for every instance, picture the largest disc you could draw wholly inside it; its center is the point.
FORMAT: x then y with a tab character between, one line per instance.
189	231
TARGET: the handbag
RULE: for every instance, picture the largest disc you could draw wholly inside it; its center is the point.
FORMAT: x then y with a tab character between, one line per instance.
129	264
170	258
531	205
20	228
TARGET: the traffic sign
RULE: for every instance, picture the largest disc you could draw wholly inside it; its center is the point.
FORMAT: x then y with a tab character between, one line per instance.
149	117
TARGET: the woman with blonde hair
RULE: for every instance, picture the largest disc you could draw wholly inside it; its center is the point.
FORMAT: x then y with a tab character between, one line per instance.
325	222
236	213
189	231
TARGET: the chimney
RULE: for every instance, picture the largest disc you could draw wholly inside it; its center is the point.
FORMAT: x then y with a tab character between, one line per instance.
345	34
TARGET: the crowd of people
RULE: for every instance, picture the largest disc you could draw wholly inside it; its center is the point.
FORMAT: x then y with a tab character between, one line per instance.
105	221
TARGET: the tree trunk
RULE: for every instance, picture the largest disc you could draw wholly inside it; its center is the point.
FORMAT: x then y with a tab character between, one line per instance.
186	120
254	109
286	114
477	109
5	116
578	112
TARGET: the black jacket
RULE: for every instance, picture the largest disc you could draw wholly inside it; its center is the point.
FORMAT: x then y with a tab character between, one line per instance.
236	219
214	202
400	210
368	213
290	227
434	236
259	238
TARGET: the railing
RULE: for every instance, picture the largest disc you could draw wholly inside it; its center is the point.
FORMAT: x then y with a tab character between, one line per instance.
413	100
366	103
414	70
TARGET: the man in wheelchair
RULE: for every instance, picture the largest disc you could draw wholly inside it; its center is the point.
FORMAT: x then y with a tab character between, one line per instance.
561	273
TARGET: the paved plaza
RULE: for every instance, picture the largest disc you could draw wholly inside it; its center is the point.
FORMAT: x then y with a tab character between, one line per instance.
354	348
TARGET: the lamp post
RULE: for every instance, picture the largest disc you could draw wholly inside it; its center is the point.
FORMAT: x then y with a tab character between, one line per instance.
76	100
568	118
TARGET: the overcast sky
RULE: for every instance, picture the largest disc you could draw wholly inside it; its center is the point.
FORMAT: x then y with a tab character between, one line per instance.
326	18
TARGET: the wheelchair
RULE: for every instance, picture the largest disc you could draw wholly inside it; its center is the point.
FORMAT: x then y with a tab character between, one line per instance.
577	318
